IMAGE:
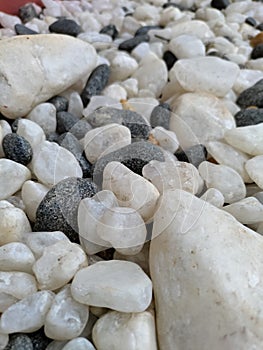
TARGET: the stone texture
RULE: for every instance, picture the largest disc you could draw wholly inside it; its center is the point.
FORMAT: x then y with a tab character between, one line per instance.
31	131
247	211
249	116
254	167
197	294
44	114
214	197
195	27
42	59
16	256
65	26
187	46
160	116
115	284
165	138
79	344
251	96
17	148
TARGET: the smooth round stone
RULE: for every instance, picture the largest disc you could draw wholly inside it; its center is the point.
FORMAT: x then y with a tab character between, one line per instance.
198	28
115	284
124	229
65	26
122	65
225	179
17	148
187	46
214	197
16	256
254	167
130	44
32	194
75	105
13	223
230	156
105	139
165	138
12	177
61	56
44	115
52	163
57	213
115	91
31	131
248	139
124	330
247	211
249	116
208	74
141	197
79	344
253	96
66	317
27	315
160	116
58	264
5	129
60	102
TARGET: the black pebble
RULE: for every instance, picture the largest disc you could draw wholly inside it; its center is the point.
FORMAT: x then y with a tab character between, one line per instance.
172	4
60	103
260	26
65	26
161	115
145	29
220	4
39	340
257	52
169	59
59	208
110	30
20	29
194	155
250	116
251	21
65	121
86	166
27	12
130	44
19	341
134	156
252	96
96	83
17	148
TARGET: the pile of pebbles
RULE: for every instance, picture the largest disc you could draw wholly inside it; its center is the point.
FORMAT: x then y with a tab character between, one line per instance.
131	175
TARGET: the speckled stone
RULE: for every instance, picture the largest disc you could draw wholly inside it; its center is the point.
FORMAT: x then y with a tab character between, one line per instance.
60	103
17	148
134	156
65	26
252	96
250	116
110	30
58	210
257	52
19	341
65	121
194	155
130	44
39	340
27	12
160	116
145	29
80	129
97	81
20	29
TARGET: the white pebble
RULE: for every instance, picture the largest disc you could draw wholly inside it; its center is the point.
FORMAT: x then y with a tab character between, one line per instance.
187	46
5	129
140	51
31	131
16	256
115	91
75	105
78	344
246	78
247	211
9	21
198	28
45	116
214	197
131	87
165	138
98	41
122	66
254	168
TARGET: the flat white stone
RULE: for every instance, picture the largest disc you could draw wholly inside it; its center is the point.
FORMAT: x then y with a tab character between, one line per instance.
31	130
32	194
230	156
208	74
27	315
58	264
123	330
16	256
115	284
195	27
248	139
254	168
5	129
194	124
105	139
44	115
165	138
187	46
124	229
224	179
195	292
66	317
42	59
52	164
13	223
38	241
247	211
12	177
131	190
214	197
79	344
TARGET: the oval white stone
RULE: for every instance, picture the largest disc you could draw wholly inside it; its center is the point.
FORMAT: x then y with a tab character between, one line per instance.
44	115
16	256
31	131
247	211
254	168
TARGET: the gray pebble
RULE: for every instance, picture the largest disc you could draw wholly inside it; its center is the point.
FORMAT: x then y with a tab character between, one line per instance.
250	116
20	29
27	12
252	96
161	115
60	103
65	26
19	342
130	44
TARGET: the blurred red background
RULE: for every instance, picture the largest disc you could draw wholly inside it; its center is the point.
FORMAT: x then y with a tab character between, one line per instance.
12	6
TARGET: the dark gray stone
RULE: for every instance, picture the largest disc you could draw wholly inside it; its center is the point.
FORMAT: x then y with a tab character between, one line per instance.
39	340
59	208
80	129
252	96
169	59
145	29
130	44
17	148
19	342
96	83
60	103
65	121
257	52
220	4
20	29
104	116
250	116
65	26
161	115
194	155
110	30
172	4
260	26
52	137
27	12
251	21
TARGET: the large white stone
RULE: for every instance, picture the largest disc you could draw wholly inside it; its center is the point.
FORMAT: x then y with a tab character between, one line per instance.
254	168
247	211
115	284
46	65
119	331
12	177
207	277
16	256
198	28
187	46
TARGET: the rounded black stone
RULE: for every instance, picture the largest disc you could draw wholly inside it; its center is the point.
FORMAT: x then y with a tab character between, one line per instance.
220	4
65	121
169	59
172	4
257	52
110	30
59	208
19	341
251	21
145	29
260	26
27	12
252	96
17	148
130	44
65	26
250	116
161	115
20	29
60	103
96	83
194	155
